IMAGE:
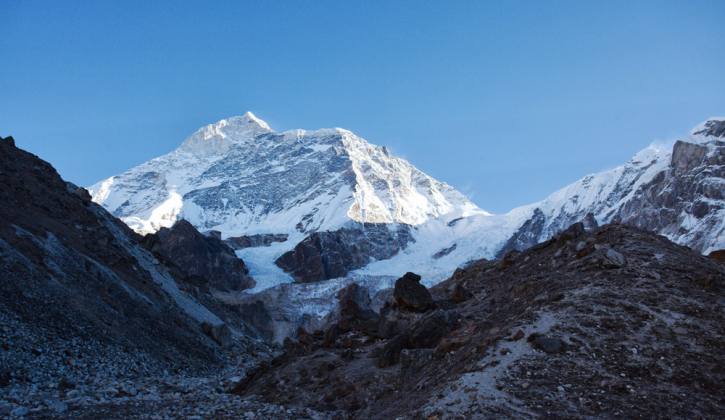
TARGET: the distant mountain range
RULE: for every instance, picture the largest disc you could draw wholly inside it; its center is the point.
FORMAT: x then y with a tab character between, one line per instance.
314	205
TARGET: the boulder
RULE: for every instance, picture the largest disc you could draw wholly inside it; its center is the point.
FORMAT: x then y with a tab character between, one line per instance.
572	232
612	259
549	345
429	330
411	295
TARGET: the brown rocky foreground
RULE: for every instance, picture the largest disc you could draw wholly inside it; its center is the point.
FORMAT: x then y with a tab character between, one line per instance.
613	322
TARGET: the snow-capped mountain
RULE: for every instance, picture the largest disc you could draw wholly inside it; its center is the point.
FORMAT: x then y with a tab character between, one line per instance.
677	191
314	205
240	177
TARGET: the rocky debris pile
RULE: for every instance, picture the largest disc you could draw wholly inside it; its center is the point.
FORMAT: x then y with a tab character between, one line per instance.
328	255
46	374
203	260
612	321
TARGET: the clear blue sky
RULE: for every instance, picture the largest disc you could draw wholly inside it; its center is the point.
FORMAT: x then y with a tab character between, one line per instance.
505	100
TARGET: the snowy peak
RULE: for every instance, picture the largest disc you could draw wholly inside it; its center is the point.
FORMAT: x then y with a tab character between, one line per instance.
713	127
675	191
251	119
217	138
240	177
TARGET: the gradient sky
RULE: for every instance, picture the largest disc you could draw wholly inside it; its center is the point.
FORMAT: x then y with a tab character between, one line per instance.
505	100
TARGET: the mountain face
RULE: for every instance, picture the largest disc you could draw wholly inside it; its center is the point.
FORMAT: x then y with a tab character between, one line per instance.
677	192
315	205
240	178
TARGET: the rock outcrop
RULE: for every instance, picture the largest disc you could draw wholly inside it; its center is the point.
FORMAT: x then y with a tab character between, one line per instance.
252	241
678	193
327	255
203	260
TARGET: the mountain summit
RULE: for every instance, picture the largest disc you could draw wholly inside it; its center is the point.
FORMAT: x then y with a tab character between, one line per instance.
239	176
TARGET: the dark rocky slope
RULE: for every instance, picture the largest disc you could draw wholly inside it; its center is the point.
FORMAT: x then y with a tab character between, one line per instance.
93	325
612	322
72	269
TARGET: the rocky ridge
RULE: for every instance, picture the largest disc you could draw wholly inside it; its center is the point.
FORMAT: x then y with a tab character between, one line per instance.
615	321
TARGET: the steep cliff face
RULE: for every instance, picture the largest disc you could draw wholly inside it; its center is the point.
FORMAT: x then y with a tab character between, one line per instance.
677	192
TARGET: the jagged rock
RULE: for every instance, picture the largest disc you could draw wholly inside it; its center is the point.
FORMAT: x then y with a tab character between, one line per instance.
327	255
572	232
256	316
615	258
590	222
658	190
411	295
528	235
214	234
252	241
518	335
73	276
712	128
445	251
686	156
205	259
589	325
429	330
9	140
